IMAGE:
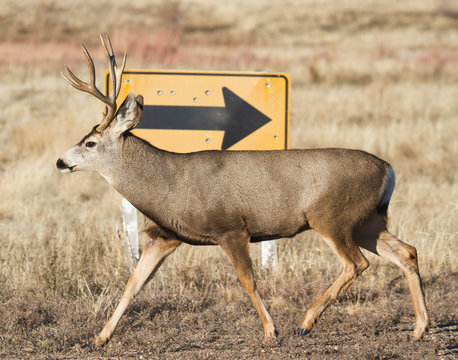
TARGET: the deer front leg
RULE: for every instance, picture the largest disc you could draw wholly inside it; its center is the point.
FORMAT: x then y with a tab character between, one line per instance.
239	255
152	257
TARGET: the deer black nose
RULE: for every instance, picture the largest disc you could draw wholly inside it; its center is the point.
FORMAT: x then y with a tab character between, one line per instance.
61	164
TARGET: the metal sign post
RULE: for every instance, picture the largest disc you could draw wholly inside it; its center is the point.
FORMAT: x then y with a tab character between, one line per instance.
130	223
186	111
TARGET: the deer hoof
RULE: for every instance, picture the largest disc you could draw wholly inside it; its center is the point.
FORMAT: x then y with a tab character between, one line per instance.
99	343
419	333
304	332
271	335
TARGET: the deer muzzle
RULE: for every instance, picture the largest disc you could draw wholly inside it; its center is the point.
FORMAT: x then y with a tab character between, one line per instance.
63	167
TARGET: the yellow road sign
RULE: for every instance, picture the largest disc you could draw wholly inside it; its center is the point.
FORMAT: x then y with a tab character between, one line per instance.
188	111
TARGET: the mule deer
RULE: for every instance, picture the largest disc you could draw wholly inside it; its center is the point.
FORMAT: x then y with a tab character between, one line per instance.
232	198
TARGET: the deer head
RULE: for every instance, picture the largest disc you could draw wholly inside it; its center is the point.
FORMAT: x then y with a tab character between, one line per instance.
97	149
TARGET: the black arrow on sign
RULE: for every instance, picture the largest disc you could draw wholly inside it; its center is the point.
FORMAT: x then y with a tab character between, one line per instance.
237	118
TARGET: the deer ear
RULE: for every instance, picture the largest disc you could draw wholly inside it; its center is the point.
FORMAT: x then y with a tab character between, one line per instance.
129	114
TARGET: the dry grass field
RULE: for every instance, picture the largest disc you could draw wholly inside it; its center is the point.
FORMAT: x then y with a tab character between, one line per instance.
375	75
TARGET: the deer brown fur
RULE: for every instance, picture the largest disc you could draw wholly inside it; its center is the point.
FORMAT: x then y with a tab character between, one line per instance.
232	198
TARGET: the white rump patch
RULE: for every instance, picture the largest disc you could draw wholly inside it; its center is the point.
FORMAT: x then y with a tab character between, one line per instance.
388	186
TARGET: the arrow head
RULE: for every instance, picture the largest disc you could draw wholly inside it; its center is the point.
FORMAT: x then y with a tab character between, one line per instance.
243	119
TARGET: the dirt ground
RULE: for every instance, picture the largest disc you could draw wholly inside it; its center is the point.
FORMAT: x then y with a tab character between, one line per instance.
192	326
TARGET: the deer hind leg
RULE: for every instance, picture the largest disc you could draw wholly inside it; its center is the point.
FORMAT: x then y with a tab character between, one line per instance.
403	255
354	263
152	257
239	255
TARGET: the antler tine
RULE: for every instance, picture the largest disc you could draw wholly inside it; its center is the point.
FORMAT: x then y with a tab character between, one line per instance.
119	72
83	86
115	80
90	63
75	82
111	64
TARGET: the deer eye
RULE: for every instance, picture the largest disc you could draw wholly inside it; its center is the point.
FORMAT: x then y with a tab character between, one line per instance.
90	144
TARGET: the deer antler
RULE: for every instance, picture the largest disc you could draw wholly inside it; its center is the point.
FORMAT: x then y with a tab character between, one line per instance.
115	81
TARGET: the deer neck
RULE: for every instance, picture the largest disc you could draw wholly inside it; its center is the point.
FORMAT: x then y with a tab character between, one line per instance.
141	173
